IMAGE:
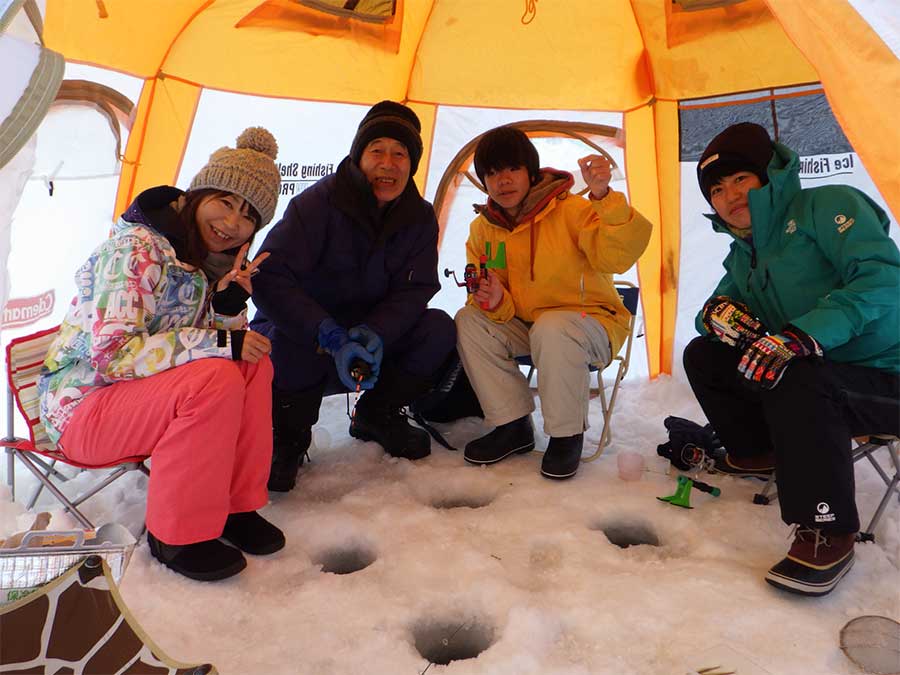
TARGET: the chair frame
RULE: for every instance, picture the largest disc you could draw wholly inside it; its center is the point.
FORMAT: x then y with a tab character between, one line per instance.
631	300
36	452
866	448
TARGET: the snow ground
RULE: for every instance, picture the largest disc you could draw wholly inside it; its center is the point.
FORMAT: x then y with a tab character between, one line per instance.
521	566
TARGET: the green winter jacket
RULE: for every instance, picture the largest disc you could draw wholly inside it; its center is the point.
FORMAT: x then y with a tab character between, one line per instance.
820	259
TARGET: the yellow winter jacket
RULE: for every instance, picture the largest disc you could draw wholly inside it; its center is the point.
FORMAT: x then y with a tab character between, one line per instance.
561	253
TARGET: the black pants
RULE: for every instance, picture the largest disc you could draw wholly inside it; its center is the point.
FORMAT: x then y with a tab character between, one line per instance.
808	420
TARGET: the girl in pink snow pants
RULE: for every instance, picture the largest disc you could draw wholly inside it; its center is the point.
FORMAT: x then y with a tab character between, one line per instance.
154	359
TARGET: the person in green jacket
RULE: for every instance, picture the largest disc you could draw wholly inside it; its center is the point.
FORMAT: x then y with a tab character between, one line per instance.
800	342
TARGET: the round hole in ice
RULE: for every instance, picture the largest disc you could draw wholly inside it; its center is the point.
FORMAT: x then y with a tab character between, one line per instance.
441	642
346	560
629	532
470	501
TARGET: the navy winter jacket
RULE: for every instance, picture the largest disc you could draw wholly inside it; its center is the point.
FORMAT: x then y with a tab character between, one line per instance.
335	253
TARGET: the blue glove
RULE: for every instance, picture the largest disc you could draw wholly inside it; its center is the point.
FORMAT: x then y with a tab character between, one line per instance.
369	339
334	340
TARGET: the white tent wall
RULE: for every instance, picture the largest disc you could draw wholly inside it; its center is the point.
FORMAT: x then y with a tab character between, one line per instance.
51	235
312	137
13	177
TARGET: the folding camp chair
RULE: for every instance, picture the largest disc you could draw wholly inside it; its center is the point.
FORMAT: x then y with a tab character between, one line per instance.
24	358
865	447
630	295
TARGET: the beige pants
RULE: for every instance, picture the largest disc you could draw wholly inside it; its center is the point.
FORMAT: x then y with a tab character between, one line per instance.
561	344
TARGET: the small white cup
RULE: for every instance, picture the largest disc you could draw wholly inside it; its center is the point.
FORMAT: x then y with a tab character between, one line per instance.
631	465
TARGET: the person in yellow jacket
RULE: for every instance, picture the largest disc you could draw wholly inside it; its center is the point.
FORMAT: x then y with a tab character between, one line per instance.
555	299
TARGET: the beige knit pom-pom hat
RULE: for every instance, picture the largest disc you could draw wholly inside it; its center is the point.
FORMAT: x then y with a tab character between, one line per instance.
247	170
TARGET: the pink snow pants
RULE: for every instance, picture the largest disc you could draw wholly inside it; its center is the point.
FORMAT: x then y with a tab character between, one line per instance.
207	425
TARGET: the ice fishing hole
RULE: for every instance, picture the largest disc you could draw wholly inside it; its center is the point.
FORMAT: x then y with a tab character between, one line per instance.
625	533
441	642
460	501
346	560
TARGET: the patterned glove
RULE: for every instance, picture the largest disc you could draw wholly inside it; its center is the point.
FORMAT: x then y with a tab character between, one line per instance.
334	340
732	322
765	361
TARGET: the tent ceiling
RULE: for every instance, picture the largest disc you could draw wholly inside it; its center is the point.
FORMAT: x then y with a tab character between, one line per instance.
451	52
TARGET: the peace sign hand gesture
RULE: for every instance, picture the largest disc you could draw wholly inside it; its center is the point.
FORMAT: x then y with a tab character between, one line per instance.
242	270
235	287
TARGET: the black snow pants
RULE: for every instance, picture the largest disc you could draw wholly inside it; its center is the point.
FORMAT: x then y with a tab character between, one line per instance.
808	420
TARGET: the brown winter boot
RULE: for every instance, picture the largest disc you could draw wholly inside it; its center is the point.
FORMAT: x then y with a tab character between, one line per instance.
755	466
816	562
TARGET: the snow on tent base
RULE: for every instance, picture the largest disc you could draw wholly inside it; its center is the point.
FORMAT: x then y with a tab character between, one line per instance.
80	622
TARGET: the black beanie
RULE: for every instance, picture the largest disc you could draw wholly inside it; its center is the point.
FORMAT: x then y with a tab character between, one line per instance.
389	119
741	147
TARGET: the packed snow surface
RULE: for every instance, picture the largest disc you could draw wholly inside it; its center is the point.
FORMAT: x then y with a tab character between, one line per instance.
501	570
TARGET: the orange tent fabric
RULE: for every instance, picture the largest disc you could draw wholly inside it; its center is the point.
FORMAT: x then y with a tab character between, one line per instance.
639	57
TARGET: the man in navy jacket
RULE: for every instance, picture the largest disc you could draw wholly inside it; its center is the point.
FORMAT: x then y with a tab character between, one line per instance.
352	266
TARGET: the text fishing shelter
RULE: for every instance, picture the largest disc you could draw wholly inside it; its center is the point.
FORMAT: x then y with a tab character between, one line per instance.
200	71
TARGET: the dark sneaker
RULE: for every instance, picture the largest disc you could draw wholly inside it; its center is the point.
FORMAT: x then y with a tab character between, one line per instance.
252	533
507	439
815	564
756	466
204	561
562	456
287	458
390	428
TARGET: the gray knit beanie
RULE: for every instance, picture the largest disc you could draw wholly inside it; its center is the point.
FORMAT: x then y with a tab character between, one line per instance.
247	170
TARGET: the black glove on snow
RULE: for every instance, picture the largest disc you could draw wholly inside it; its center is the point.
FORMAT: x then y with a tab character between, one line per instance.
687	441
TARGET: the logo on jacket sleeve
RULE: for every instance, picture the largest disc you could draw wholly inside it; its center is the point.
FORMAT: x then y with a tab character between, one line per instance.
843	222
791	227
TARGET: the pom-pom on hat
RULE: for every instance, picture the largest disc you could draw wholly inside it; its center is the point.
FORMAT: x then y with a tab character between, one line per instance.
741	147
389	119
247	170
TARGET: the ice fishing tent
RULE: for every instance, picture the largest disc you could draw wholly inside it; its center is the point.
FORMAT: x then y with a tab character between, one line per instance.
645	59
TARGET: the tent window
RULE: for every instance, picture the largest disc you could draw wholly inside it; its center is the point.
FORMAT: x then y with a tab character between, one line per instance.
373	22
799	118
378	11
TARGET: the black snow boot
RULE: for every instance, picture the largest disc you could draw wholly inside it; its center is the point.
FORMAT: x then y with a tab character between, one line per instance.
293	415
513	437
379	415
203	561
562	456
252	533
